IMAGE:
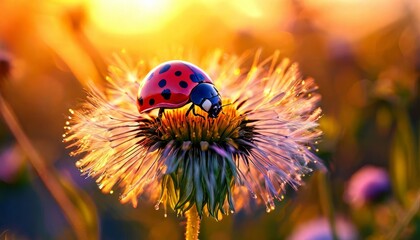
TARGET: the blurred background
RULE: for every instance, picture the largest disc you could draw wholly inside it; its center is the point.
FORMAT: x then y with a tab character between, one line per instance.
364	55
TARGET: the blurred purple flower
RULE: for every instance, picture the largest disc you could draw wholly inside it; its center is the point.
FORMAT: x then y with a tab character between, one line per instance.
11	162
320	229
369	184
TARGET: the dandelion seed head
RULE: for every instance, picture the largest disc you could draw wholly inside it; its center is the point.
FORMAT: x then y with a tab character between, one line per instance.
261	142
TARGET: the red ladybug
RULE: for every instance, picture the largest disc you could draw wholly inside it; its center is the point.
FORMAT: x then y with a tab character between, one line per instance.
174	84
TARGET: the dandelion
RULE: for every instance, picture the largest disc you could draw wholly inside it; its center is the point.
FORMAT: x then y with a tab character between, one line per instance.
262	143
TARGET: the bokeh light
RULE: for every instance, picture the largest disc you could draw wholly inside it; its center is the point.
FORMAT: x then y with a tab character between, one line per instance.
131	17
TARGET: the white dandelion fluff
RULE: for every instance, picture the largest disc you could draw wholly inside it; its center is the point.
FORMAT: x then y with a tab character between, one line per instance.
263	142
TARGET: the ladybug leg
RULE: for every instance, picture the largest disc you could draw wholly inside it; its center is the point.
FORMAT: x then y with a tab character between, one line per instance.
189	110
160	114
196	114
193	111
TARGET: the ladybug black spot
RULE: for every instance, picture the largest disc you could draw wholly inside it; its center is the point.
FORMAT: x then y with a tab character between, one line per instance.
200	77
166	94
194	78
178	73
183	84
162	83
165	68
151	102
141	101
197	77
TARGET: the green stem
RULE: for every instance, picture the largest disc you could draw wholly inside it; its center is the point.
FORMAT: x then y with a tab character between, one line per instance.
193	224
327	202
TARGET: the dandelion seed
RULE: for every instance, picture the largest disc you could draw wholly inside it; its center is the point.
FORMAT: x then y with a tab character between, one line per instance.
261	142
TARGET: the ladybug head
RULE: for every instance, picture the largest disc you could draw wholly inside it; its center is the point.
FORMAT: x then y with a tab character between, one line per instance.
206	96
212	106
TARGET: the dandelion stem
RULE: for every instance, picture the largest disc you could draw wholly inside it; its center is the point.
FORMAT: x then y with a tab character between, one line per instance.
193	224
45	174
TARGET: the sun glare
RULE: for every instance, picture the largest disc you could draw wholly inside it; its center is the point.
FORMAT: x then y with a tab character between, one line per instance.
131	17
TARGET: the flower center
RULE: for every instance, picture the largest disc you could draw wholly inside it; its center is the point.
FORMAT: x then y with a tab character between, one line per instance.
175	125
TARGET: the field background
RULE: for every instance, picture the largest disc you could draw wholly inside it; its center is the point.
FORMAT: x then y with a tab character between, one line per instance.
364	55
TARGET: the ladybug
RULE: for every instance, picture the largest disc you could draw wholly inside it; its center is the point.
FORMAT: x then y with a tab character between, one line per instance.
174	84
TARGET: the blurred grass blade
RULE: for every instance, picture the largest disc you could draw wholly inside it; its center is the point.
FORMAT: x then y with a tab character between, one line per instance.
326	202
71	210
403	164
405	220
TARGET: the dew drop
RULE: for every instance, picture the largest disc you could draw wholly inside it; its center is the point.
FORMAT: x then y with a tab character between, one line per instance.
232	211
122	196
165	215
157	206
267	209
111	192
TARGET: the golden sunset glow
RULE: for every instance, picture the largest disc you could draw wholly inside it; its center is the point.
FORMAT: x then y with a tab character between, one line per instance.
130	17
